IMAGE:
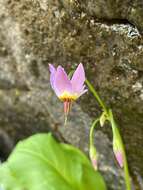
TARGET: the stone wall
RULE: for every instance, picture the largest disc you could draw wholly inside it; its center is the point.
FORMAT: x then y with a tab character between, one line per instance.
106	36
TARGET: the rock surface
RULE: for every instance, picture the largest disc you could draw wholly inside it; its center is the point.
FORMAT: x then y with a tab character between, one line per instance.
106	37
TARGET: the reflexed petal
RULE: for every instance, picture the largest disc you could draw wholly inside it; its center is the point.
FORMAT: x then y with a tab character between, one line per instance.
52	68
52	75
61	82
78	79
83	91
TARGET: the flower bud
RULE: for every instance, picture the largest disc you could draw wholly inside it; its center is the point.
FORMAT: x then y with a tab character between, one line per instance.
93	156
119	158
118	151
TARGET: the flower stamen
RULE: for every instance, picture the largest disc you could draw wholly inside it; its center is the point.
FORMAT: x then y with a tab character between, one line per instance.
67	107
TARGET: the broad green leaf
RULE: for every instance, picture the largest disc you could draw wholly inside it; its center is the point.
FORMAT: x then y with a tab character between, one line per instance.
41	163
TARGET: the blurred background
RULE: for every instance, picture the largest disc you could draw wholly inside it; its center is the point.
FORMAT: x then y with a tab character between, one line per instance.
107	37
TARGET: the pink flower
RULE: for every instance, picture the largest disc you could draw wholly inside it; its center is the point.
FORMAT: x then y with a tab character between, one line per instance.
67	90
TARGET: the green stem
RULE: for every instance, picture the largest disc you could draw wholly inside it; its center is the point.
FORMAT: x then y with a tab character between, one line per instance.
96	95
91	131
126	170
115	130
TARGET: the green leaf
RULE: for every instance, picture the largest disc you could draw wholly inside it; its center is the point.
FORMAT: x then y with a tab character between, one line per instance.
41	163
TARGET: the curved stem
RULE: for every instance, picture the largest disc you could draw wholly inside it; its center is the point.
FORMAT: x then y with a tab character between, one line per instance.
96	95
126	170
114	129
91	131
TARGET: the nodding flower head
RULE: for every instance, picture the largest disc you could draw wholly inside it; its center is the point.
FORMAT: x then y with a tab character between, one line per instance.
66	89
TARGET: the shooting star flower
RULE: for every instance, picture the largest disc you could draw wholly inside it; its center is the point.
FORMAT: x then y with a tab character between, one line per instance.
67	90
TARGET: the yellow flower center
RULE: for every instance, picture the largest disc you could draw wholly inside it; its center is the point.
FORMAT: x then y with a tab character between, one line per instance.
67	96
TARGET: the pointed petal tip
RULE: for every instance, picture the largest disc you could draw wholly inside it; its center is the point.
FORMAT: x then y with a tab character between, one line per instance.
78	78
50	65
81	65
60	67
52	68
62	70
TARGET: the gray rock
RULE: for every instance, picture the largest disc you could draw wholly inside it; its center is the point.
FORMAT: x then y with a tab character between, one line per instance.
115	11
35	33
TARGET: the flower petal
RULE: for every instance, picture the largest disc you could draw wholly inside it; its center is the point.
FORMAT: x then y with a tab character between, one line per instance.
52	75
78	79
61	82
83	91
52	68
